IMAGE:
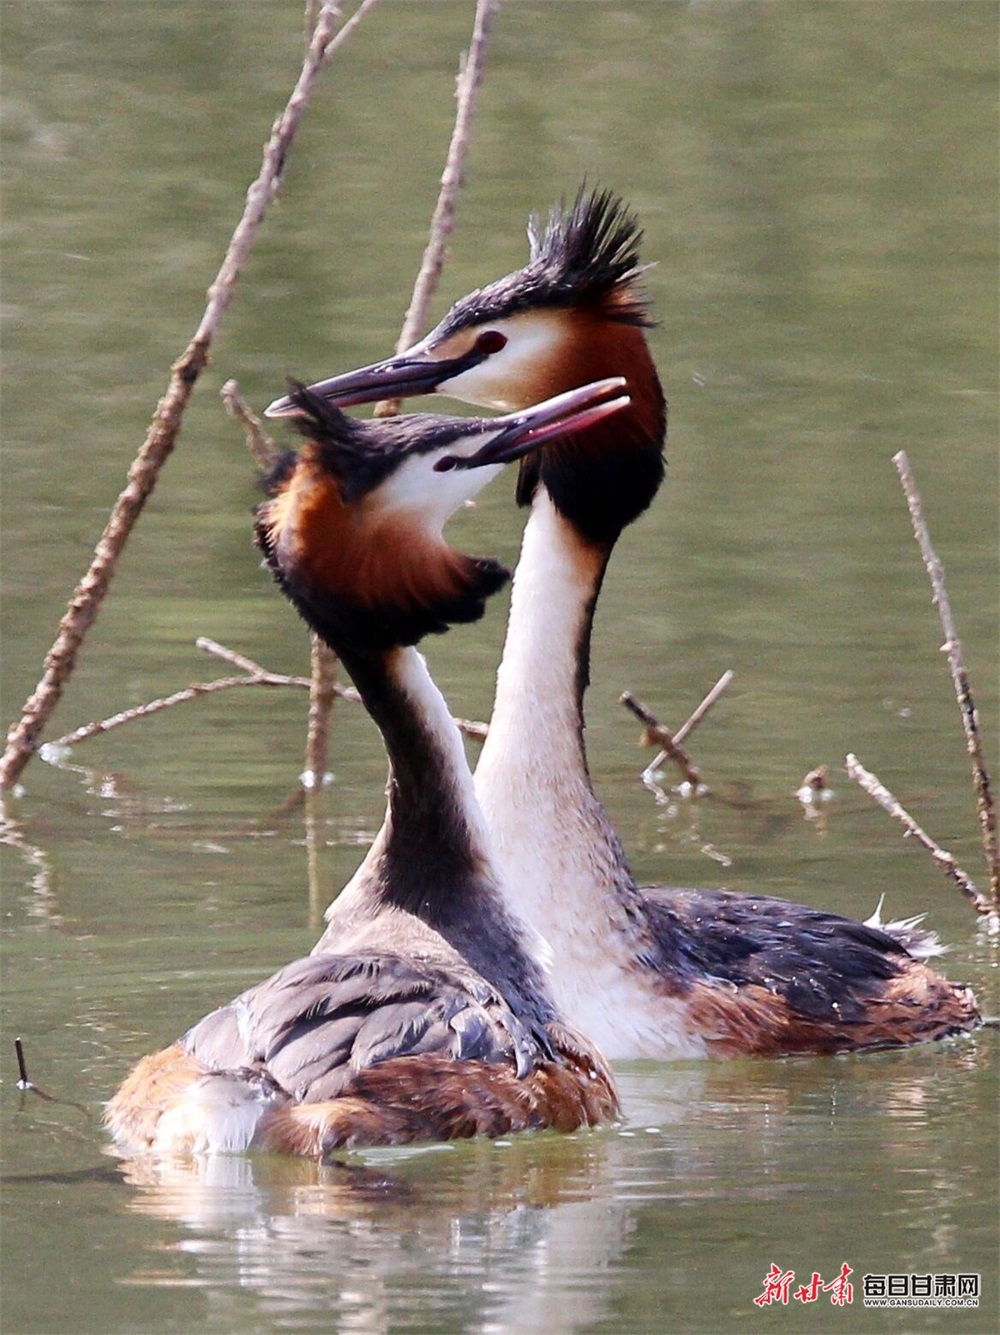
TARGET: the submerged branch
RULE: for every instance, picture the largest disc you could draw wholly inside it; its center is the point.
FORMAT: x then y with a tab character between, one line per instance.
26	1085
656	734
23	737
985	802
670	742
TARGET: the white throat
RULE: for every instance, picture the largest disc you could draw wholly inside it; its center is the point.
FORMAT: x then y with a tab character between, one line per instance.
562	865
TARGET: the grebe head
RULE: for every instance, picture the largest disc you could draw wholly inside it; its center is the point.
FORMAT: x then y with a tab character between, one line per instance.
353	526
574	314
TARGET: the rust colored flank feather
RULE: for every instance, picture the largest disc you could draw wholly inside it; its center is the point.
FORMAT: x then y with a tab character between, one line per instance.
916	1005
397	1102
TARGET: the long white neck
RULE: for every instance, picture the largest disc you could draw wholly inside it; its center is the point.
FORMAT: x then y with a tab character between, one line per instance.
562	864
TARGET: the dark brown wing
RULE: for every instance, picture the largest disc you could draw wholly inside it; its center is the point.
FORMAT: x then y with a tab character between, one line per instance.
772	976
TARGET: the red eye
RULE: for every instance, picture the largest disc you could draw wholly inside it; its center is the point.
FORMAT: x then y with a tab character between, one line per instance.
491	341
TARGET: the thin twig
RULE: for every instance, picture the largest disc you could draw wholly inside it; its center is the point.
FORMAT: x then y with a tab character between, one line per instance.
348	693
253	675
28	1086
262	448
452	179
309	20
192	692
322	693
717	690
23	737
231	656
473	728
22	1070
876	789
985	804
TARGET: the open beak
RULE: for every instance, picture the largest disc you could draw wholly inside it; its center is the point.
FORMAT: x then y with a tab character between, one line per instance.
521	432
413	372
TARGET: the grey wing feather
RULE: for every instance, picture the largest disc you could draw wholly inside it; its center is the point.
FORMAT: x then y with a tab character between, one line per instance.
317	1021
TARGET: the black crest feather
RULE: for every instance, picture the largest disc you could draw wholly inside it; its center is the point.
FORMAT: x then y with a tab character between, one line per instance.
345	444
583	255
589	250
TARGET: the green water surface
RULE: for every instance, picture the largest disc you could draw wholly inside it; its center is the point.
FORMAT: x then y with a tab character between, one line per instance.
818	184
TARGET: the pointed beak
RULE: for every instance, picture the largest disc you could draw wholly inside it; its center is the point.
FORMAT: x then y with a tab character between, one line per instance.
522	432
413	372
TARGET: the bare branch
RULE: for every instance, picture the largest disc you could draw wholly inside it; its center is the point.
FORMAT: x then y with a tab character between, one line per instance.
193	692
714	694
322	693
28	1086
985	803
254	675
876	789
452	179
262	448
23	737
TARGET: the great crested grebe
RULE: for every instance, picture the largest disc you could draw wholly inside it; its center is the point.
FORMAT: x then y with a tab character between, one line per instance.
659	972
425	1016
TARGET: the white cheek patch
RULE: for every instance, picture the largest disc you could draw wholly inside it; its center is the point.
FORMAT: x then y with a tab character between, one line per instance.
531	341
435	497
